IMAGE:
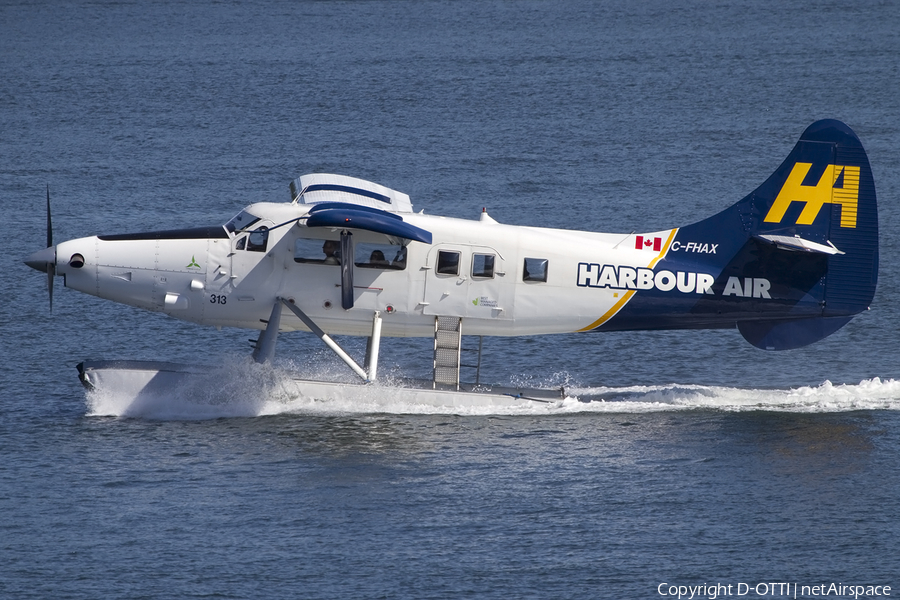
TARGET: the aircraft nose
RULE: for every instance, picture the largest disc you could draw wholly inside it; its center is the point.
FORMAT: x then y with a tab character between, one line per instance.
42	260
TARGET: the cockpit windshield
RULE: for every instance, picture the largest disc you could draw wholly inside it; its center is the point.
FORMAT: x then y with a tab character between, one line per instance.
241	222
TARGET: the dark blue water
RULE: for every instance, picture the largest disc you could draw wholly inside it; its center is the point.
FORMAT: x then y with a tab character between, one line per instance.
710	462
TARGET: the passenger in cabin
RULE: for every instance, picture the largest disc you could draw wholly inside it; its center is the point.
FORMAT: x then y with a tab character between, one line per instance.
377	259
400	259
332	253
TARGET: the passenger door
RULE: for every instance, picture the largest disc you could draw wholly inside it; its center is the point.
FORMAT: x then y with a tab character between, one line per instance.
468	281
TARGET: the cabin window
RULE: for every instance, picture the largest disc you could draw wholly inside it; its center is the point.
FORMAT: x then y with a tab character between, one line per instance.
483	266
258	240
321	252
379	256
535	269
241	243
448	262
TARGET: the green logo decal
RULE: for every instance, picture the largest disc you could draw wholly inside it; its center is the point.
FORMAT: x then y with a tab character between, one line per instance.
485	301
193	263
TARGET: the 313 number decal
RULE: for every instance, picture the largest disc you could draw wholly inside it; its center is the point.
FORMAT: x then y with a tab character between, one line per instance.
218	299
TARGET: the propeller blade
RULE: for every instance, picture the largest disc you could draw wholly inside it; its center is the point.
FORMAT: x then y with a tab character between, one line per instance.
51	260
45	260
51	273
51	266
49	222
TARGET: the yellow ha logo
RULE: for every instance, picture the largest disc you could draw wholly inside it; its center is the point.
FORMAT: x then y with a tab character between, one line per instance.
816	196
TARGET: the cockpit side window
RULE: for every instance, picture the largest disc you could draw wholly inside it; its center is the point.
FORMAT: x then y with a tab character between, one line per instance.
258	240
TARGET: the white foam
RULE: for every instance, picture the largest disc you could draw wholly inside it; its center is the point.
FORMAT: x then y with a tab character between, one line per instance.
242	389
870	394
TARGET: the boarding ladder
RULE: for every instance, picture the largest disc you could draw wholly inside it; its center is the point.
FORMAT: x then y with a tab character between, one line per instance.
448	353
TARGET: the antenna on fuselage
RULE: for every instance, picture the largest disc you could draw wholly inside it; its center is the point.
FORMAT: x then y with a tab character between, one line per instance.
624	238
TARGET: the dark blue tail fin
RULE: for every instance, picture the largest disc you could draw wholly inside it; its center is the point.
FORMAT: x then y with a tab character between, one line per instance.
798	256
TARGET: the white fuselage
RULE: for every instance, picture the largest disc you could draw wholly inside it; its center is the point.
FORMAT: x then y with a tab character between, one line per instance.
221	281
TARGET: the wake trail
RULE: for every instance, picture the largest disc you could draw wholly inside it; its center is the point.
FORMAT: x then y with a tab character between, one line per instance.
239	388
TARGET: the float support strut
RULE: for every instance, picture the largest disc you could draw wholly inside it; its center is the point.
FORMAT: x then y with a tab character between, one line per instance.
372	346
326	338
265	344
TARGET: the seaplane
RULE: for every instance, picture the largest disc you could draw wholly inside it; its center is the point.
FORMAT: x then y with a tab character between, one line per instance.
789	264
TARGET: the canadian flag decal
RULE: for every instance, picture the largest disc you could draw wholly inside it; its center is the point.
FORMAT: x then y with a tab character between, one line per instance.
642	243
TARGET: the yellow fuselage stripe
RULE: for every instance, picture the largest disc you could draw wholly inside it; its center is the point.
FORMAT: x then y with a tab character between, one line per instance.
624	300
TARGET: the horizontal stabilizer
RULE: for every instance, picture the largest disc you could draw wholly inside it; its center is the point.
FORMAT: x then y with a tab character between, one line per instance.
798	243
788	335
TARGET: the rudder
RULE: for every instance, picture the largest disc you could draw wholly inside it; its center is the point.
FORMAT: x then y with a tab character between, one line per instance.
809	232
822	197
